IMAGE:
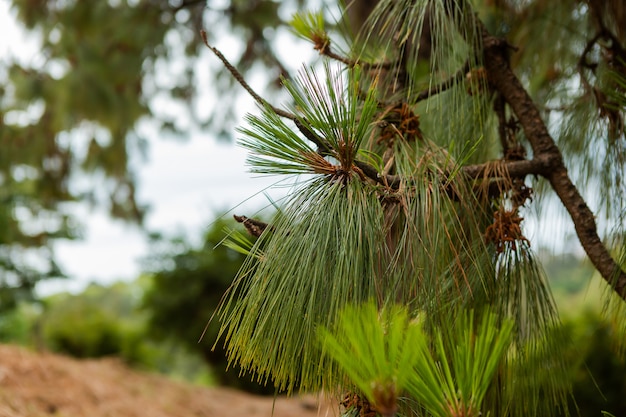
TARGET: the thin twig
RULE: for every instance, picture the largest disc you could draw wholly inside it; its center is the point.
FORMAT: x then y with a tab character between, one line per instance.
253	226
322	147
327	51
237	75
440	88
391	181
582	62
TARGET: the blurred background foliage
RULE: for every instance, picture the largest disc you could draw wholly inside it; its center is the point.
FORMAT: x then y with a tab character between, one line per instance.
156	322
72	115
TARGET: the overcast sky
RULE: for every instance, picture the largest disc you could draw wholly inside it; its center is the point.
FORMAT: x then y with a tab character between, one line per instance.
186	184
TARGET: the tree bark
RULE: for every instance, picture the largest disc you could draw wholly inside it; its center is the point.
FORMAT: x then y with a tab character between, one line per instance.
544	148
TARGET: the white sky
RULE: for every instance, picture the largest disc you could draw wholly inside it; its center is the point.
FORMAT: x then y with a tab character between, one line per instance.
186	184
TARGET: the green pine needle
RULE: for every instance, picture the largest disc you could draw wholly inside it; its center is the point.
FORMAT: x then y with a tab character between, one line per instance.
332	109
386	355
377	351
310	26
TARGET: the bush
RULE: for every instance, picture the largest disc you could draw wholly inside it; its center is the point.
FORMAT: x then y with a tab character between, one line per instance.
16	325
186	287
598	379
100	321
107	321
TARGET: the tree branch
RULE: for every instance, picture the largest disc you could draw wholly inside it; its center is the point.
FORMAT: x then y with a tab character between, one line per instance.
322	148
515	169
440	88
237	75
547	158
253	226
326	50
545	151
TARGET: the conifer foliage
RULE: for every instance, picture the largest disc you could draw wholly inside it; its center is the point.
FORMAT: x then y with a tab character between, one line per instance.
397	272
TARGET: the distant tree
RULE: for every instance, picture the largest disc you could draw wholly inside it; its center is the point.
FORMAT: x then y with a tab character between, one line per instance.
397	273
100	321
72	111
186	287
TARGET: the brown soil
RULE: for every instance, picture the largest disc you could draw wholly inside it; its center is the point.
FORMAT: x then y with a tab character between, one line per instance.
45	384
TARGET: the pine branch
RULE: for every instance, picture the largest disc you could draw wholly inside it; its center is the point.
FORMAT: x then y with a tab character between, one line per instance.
322	147
440	88
327	51
548	156
237	75
515	168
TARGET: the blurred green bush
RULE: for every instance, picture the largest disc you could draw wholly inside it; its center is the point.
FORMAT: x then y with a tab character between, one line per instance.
187	284
107	321
599	370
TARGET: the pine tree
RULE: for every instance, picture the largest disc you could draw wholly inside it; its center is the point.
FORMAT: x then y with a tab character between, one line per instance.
397	272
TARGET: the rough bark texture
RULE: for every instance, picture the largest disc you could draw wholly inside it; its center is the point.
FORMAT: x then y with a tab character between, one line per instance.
549	158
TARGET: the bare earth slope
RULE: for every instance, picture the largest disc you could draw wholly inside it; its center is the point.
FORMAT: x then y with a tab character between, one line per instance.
44	384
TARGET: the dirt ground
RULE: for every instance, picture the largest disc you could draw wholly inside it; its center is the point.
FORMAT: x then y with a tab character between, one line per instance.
44	384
